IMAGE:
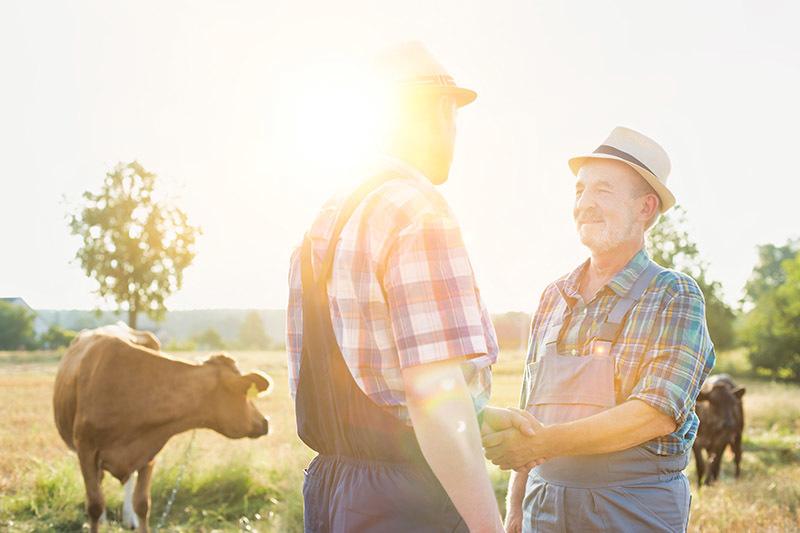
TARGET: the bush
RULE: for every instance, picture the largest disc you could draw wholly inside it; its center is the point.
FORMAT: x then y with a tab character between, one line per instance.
56	337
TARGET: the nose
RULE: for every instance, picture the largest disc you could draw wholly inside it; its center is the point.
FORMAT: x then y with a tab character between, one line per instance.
582	202
263	428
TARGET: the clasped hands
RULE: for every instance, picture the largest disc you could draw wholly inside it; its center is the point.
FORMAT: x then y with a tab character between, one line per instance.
514	439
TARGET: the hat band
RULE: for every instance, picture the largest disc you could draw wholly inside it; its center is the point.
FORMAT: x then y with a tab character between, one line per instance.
610	150
437	80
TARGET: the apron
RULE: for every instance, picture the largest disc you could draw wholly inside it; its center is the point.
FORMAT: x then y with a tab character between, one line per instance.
369	474
630	490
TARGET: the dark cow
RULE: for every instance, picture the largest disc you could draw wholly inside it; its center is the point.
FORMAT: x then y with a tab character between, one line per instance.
118	400
719	408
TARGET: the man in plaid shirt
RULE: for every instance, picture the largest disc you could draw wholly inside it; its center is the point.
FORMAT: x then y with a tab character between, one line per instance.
618	352
389	395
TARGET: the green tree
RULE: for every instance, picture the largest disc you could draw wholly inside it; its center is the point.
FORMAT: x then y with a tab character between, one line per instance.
252	335
769	274
209	339
669	245
56	337
135	246
771	329
16	327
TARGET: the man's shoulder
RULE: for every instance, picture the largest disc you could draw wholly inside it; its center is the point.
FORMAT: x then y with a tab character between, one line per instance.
411	194
674	283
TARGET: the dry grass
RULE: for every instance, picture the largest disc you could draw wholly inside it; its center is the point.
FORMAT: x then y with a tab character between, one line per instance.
255	484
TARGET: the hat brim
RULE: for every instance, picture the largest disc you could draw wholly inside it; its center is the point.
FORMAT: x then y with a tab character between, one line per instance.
664	194
462	96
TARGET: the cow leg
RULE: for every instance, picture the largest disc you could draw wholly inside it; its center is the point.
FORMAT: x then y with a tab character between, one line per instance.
129	518
700	464
141	496
737	452
92	479
716	463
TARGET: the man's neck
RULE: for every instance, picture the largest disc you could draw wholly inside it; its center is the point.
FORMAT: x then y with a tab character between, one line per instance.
415	159
603	266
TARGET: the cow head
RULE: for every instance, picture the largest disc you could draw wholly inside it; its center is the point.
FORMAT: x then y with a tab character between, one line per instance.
725	406
230	405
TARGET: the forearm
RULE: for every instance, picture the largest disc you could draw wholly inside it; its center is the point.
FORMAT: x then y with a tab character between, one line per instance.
448	435
619	428
516	491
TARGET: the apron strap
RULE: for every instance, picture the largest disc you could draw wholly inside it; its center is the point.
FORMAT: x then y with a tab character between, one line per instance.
610	329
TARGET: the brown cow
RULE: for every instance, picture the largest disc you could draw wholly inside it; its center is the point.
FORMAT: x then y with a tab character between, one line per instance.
118	400
719	408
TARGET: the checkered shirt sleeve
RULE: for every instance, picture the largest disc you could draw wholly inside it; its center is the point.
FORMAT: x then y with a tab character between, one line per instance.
433	303
681	354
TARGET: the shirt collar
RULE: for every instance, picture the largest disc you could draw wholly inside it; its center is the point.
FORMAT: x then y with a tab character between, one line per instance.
621	283
389	162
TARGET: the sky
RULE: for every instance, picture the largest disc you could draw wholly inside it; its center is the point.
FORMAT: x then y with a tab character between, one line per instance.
241	109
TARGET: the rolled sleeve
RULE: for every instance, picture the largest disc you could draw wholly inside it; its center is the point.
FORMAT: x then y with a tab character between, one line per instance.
680	356
433	303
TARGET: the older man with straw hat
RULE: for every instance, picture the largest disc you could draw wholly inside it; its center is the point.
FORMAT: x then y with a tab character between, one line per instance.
618	351
390	344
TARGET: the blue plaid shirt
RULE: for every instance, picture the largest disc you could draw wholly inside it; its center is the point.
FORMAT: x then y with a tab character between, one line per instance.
663	353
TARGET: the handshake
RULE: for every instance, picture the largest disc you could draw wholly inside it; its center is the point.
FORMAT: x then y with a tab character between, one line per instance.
514	439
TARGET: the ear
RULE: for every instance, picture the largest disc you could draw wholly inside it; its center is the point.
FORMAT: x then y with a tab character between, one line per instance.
739	392
702	397
261	381
650	205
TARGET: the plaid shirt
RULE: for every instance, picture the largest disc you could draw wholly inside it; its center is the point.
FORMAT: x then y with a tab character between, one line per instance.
663	353
402	291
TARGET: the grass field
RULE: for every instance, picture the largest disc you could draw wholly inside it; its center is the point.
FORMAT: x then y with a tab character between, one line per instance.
254	485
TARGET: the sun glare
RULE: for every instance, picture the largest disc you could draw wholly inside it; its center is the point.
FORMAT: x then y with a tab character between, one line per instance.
333	116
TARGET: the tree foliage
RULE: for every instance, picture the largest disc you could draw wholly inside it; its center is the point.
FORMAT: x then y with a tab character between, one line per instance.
209	339
56	337
669	245
252	335
135	246
16	327
769	272
771	329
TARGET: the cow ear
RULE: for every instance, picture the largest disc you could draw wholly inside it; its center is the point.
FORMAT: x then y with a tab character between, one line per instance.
739	392
702	397
262	382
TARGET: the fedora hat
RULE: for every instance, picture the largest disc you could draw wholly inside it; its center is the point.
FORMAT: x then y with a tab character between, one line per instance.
639	152
411	67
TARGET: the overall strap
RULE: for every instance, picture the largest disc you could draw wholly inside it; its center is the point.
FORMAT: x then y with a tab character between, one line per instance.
345	212
610	329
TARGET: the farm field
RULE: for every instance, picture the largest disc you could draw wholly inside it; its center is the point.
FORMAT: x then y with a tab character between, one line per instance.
254	485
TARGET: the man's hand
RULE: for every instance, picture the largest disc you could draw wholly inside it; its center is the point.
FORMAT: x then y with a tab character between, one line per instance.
497	419
510	448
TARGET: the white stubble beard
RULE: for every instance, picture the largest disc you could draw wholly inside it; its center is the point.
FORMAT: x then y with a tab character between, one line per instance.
602	238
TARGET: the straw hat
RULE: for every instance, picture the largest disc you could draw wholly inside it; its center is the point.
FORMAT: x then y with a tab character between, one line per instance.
410	66
639	152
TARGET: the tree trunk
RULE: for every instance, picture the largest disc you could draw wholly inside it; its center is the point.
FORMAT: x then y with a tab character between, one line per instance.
132	312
